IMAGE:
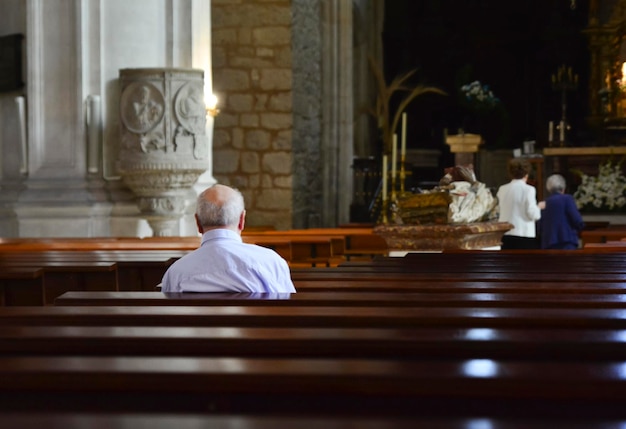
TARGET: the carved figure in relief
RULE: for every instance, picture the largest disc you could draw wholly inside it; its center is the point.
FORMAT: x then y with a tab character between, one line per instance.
190	109
147	110
152	142
191	114
142	107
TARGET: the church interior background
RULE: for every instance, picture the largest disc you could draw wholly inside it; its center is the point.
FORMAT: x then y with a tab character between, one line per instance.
294	83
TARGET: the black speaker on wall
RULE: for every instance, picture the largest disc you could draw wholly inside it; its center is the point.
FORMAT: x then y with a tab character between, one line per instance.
11	78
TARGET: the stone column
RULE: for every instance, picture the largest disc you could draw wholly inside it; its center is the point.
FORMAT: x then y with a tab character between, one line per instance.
337	110
164	146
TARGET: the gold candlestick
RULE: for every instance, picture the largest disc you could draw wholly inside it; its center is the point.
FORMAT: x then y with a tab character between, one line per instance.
394	165
402	176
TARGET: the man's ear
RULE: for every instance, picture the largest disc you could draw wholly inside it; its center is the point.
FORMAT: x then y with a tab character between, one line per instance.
242	221
200	229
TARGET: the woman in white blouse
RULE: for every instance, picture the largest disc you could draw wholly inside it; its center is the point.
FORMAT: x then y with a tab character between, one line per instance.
518	206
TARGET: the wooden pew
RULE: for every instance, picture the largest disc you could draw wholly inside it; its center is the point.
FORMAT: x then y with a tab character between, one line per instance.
528	263
557	298
357	241
377	275
98	243
406	284
308	250
165	420
366	387
317	316
614	245
59	277
413	343
309	246
479	266
602	235
137	269
21	286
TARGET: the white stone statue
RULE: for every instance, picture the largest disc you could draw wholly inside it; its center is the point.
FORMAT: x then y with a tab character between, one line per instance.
470	202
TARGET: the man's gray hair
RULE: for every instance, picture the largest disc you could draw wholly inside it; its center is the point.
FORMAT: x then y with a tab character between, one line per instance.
213	212
555	183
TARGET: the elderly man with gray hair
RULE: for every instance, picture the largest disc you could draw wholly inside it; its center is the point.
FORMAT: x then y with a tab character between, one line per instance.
224	263
560	222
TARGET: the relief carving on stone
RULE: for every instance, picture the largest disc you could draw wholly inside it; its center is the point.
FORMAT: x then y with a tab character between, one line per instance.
142	107
146	183
161	205
164	142
190	112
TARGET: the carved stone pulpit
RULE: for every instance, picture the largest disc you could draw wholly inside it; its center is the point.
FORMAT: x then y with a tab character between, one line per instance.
164	145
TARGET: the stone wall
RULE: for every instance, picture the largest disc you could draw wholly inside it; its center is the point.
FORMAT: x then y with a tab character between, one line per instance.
252	77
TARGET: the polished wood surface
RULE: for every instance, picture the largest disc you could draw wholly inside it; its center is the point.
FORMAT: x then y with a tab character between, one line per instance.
558	297
521	337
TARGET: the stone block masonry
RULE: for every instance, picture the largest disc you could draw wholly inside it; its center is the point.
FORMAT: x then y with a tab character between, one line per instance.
252	77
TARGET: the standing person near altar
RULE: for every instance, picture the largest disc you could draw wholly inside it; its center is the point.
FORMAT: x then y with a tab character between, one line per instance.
518	206
561	222
224	263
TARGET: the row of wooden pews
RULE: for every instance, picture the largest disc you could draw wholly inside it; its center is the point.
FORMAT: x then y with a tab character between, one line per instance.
595	236
461	339
325	246
381	362
36	271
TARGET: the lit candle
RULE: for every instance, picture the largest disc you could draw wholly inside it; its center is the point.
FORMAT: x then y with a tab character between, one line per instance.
394	157
562	131
384	178
550	131
403	150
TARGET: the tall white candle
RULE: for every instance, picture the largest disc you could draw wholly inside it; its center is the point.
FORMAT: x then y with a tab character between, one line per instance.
550	131
394	158
384	174
403	141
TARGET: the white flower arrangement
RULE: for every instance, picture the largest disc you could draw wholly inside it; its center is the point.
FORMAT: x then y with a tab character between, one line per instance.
604	192
478	95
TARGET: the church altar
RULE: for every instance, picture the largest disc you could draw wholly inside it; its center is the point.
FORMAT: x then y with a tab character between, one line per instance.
584	151
565	158
439	237
612	219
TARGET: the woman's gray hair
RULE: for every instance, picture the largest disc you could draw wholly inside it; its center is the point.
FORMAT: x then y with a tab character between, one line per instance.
220	211
555	183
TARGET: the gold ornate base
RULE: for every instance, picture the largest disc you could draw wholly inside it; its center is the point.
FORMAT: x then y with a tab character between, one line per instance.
479	235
